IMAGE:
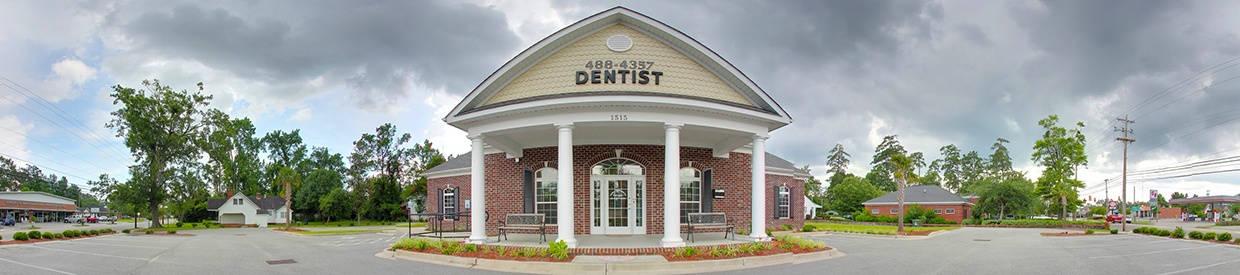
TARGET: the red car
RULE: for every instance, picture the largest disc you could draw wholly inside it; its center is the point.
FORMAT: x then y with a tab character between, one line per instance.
92	219
1118	218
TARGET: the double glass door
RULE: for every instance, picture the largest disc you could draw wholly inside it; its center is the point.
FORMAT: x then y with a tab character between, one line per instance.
618	205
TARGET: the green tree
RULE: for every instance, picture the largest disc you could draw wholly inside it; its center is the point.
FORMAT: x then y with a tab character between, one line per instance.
424	156
323	158
837	160
381	152
284	149
948	167
232	154
159	126
337	204
881	178
1060	152
1001	195
318	184
851	192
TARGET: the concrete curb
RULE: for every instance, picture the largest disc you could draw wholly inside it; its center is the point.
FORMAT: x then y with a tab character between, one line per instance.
612	268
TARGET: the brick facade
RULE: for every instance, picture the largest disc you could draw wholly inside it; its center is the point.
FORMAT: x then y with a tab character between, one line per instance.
962	211
504	182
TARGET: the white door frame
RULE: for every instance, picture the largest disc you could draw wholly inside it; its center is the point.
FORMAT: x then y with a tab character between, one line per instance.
599	189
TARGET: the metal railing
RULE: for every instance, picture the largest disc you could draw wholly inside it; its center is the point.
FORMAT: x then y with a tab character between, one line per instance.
437	223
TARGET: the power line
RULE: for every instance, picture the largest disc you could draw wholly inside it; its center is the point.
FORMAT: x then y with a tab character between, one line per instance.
62	127
48	168
61	112
1187	95
52	147
1182	83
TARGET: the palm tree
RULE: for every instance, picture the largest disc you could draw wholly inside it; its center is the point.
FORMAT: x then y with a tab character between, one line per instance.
290	178
901	166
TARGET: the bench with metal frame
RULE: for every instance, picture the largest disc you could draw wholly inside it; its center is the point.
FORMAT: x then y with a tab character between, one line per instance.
714	220
533	222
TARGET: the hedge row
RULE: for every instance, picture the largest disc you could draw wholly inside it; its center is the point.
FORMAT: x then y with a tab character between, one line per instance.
35	234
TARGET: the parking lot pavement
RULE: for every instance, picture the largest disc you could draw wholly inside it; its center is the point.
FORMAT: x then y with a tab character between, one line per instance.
213	251
57	227
1020	251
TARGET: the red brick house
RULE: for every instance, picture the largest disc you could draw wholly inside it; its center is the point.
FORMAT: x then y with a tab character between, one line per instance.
590	125
946	204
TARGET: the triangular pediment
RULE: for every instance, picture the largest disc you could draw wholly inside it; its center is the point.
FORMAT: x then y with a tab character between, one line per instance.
637	55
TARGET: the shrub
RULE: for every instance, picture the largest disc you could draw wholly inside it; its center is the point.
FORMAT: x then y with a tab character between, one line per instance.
126	231
558	249
94	232
179	224
49	236
1089	231
1114	231
34	234
684	252
1209	236
420	244
449	247
807	228
501	249
1178	233
787	227
1226	236
1196	235
20	236
1164	233
172	232
150	231
193	225
59	236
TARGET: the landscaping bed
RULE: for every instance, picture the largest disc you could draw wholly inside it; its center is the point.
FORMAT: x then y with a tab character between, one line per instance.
157	231
876	229
35	236
1179	233
559	252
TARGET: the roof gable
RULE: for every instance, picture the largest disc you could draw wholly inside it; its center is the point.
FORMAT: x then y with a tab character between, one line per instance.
548	68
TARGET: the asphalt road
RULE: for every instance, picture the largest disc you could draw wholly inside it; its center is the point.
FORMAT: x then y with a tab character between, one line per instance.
963	251
216	251
1020	251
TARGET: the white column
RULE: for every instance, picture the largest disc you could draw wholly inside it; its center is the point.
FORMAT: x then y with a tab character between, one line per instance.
671	186
758	201
564	185
477	193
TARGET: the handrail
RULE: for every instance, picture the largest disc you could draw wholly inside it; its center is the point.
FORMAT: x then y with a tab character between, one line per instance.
435	222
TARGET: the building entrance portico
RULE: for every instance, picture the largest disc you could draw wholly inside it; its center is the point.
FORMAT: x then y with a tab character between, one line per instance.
618	198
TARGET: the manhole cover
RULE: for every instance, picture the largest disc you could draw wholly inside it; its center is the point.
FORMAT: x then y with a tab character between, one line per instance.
276	262
617	258
981	240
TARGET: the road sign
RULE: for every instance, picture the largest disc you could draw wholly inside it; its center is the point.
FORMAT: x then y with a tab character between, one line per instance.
1153	195
1112	204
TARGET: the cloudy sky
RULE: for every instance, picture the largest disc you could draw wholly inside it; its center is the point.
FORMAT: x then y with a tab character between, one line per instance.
849	72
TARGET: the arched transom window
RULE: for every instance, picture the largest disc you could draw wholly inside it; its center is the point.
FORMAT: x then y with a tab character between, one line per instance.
618	166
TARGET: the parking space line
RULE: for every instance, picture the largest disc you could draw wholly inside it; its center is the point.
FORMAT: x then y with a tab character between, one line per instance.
87	253
1200	267
35	266
120	245
1154	252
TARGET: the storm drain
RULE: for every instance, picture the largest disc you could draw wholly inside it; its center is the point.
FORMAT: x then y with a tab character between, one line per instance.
276	262
981	240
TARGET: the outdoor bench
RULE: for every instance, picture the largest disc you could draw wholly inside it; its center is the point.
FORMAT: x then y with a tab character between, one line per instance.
531	222
716	220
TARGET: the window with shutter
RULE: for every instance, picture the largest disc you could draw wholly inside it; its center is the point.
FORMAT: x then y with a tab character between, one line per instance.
783	202
449	202
690	192
708	191
527	188
545	194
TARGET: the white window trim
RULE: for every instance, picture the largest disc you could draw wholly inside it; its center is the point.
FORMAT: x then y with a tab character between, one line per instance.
548	175
449	196
785	203
895	211
938	210
874	211
950	211
684	217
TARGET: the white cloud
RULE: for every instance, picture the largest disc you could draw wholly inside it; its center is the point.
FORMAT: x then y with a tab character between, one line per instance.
67	75
1012	125
303	114
13	136
450	140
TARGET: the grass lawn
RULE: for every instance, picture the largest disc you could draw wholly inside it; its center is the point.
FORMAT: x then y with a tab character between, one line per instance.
408	226
872	229
186	226
339	232
345	224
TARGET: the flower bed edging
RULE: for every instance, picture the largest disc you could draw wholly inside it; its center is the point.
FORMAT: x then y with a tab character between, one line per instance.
579	268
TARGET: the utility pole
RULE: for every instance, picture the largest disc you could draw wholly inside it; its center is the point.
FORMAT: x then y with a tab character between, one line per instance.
1124	188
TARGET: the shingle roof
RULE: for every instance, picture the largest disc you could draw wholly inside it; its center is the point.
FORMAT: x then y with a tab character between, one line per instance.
266	203
463	160
919	194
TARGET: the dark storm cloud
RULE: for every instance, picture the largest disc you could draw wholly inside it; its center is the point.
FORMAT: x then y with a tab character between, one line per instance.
379	49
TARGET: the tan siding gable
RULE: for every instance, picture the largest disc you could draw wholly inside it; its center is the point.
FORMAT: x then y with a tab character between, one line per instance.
556	74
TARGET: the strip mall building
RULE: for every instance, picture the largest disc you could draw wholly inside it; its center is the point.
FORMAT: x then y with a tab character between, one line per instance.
617	105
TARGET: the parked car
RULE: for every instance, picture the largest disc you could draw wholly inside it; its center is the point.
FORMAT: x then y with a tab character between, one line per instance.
1117	218
75	219
9	221
107	218
92	219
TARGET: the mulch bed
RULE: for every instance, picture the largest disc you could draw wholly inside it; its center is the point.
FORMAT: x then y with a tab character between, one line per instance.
8	242
1068	234
703	253
919	233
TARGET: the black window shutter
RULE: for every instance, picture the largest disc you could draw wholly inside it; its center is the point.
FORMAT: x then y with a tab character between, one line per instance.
441	201
775	213
791	193
529	191
708	193
456	197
